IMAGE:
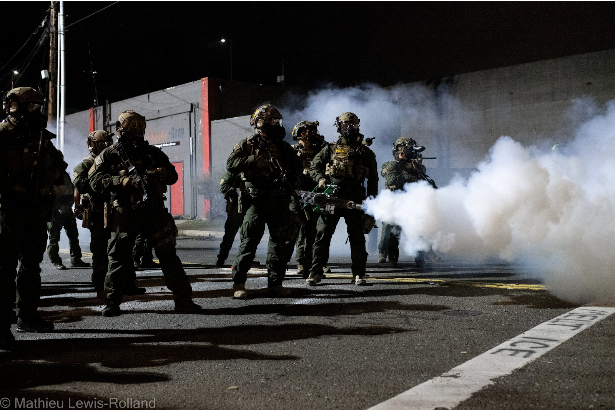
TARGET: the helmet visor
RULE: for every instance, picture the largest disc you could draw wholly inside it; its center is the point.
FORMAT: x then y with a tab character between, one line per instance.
274	121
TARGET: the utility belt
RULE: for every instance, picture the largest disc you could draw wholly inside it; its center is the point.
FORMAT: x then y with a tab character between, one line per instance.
267	192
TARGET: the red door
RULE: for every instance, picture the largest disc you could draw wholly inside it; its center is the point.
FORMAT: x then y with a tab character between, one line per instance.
177	191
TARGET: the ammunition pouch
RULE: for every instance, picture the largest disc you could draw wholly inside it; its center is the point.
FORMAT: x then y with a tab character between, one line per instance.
367	223
87	218
107	214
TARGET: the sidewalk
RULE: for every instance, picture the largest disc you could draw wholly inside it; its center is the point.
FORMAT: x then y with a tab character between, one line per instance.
209	233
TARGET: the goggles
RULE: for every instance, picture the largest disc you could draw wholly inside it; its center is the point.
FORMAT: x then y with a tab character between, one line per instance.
350	125
274	121
31	107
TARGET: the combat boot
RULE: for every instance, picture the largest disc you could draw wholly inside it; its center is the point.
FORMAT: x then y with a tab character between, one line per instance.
314	279
360	281
325	269
382	257
78	263
186	306
112	309
220	262
33	325
132	290
279	291
7	340
58	264
240	291
301	271
392	263
149	264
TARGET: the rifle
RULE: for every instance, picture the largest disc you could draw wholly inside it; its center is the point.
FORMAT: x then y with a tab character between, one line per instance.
325	202
139	180
283	177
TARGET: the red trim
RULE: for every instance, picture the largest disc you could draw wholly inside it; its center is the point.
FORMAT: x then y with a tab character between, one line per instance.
206	123
92	121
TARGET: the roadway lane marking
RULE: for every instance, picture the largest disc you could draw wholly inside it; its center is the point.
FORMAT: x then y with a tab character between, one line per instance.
458	384
515	286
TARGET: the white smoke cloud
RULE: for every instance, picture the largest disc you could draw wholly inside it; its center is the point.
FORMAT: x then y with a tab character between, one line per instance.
553	210
386	114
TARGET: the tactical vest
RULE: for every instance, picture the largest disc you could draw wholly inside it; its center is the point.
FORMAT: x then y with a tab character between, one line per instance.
398	173
347	162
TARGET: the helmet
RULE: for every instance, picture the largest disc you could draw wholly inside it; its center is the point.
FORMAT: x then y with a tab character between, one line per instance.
408	147
265	112
348	118
311	127
99	140
23	98
130	122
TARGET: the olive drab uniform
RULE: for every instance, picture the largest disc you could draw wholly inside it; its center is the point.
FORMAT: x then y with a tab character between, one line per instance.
396	174
95	221
307	231
270	200
152	219
350	165
236	204
29	168
63	217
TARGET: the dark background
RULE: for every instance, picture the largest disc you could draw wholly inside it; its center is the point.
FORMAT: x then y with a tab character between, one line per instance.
139	47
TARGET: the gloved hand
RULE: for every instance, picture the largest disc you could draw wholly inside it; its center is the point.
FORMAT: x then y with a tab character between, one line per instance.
322	183
126	182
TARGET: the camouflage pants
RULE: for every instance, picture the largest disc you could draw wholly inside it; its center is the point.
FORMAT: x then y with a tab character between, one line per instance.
142	252
158	226
23	238
67	221
233	222
99	239
274	212
325	228
389	241
305	241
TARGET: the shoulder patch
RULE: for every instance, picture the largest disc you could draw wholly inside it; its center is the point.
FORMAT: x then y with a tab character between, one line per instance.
75	175
97	161
237	147
92	169
222	181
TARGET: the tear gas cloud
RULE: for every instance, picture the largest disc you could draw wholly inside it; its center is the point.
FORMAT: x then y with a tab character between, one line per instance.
550	209
386	114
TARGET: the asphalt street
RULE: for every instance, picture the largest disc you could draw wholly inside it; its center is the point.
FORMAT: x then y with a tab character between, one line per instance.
332	346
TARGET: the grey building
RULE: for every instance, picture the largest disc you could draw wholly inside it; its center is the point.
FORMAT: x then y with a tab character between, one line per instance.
197	124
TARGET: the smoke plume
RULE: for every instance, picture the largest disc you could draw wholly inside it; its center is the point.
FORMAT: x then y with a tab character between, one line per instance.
552	210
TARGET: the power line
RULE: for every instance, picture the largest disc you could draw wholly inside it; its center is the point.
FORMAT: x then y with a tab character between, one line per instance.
72	24
24	44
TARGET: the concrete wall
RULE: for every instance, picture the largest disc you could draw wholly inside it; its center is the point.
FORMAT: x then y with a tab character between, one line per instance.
530	103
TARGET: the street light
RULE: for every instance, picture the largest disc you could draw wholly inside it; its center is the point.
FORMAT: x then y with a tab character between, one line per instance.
15	72
230	44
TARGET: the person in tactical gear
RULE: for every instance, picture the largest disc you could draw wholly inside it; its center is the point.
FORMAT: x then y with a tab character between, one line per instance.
349	164
29	168
135	175
310	142
236	204
407	167
269	169
91	208
142	254
63	217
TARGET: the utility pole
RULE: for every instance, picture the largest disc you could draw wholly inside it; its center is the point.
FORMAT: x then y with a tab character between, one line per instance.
53	61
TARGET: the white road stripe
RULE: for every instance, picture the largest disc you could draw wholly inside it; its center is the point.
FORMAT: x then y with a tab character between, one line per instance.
457	385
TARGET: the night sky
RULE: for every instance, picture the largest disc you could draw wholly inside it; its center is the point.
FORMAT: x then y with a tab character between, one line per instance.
139	47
